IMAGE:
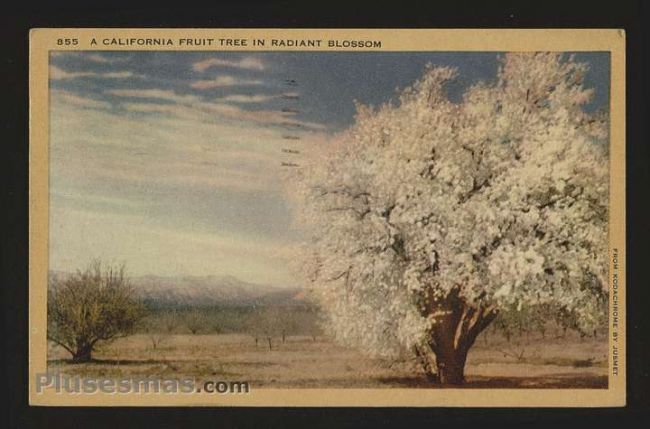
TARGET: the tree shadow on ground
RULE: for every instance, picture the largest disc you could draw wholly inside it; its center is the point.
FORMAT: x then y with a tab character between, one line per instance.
550	381
114	362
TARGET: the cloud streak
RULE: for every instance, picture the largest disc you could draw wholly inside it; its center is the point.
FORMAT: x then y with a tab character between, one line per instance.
101	59
76	100
57	73
246	98
246	63
191	106
157	94
224	81
223	147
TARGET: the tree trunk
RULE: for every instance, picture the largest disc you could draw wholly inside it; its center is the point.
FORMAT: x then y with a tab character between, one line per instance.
82	354
453	334
423	357
450	365
450	346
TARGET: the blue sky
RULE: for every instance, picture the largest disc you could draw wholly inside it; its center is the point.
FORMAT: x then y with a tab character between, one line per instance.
171	161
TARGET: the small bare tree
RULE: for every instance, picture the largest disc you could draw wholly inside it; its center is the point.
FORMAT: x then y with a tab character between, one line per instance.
154	332
195	321
93	305
253	328
285	320
263	324
311	324
169	322
158	328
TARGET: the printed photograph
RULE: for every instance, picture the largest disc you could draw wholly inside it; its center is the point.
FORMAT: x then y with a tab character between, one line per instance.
330	219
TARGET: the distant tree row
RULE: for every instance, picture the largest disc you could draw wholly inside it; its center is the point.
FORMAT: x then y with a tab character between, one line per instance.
271	324
268	324
541	322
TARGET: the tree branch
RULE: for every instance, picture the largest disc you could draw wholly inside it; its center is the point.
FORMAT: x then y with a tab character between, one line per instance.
61	344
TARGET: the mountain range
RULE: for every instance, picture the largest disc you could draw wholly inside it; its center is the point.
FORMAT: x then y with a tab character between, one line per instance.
204	291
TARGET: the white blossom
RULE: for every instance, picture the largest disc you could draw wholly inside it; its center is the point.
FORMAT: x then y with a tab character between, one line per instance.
502	197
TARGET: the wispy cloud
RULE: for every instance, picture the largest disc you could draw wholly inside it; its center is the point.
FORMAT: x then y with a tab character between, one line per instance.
189	106
101	201
157	94
247	63
60	74
224	81
169	95
181	148
102	59
76	100
246	98
208	111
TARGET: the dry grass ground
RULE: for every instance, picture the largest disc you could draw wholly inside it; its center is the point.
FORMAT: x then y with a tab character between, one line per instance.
303	362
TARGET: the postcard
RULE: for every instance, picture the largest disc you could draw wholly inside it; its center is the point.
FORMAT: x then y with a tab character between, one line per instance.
343	217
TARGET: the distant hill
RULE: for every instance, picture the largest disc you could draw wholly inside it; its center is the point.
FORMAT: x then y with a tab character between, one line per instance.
203	291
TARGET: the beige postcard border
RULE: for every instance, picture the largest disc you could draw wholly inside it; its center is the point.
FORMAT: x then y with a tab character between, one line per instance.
42	41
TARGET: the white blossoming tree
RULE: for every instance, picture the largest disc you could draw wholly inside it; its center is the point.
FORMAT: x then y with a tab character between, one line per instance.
429	217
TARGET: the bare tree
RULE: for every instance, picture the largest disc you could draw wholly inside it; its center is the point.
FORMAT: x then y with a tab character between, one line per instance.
90	306
310	323
169	322
195	321
285	320
263	324
159	327
155	336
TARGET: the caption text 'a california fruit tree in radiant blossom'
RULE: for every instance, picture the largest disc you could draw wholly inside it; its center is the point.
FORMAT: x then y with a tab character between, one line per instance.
430	217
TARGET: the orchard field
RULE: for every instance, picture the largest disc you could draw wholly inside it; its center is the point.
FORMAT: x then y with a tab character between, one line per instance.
305	362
